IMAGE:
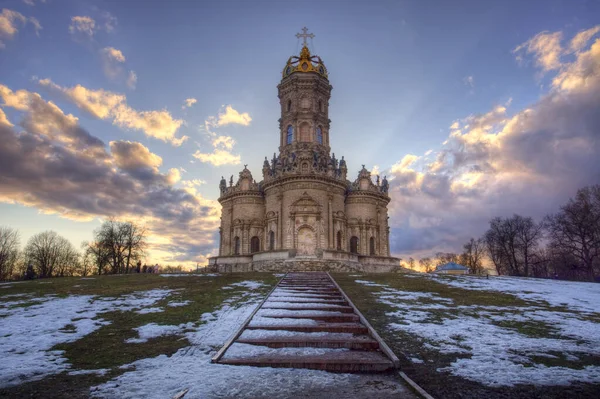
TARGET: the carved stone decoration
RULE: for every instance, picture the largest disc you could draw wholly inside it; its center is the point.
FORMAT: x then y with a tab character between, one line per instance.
307	241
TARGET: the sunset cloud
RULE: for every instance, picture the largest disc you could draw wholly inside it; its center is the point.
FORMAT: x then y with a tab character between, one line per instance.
218	157
189	102
53	164
84	27
231	116
498	163
546	49
108	105
10	21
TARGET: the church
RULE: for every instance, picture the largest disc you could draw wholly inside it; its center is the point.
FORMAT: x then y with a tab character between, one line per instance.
305	214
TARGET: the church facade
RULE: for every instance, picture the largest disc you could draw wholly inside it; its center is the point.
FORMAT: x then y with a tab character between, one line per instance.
305	213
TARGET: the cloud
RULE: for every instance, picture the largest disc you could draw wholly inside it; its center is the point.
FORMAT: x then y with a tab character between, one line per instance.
53	164
218	157
9	25
108	105
32	2
113	54
528	161
469	81
582	38
3	119
231	116
546	49
132	80
112	60
189	102
84	27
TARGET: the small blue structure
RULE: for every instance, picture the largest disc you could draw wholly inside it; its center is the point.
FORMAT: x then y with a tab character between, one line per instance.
452	268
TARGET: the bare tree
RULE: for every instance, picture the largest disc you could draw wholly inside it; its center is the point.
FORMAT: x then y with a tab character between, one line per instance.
9	251
575	229
118	244
411	263
426	265
512	243
51	254
472	256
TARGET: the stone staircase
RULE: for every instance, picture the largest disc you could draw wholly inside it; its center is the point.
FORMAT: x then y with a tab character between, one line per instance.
308	322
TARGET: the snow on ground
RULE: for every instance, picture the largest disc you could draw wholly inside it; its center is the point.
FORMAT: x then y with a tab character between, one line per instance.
251	285
28	332
495	354
190	368
175	304
574	295
153	330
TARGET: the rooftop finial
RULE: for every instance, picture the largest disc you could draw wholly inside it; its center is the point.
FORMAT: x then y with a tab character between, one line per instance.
304	35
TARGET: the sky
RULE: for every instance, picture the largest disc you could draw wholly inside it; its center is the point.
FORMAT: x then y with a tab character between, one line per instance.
135	110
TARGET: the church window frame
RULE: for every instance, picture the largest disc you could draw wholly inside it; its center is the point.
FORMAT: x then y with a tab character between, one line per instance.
354	244
339	240
372	246
236	245
319	135
290	134
289	105
254	244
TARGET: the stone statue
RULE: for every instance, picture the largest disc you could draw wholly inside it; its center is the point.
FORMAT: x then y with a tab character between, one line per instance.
231	181
223	185
384	185
377	180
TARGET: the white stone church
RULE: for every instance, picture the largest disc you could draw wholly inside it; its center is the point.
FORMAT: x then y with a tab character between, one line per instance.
304	214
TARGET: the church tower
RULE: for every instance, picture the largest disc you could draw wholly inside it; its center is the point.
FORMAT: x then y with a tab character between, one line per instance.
304	209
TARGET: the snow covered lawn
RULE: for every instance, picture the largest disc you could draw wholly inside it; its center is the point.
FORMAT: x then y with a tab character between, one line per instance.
70	334
501	334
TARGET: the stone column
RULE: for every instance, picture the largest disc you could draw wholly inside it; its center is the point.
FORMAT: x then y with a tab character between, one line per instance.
331	244
279	243
221	239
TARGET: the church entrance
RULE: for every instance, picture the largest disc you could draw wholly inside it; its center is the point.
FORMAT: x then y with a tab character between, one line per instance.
307	243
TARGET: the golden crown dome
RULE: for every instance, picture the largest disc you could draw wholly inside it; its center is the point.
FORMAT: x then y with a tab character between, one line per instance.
305	63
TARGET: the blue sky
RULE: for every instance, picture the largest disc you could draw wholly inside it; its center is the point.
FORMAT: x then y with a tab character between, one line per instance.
402	72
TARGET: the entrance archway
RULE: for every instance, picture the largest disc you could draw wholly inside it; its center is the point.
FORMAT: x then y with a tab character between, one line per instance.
307	243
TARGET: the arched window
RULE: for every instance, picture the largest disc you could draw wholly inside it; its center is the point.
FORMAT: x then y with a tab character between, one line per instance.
254	244
236	246
271	240
354	245
339	240
320	106
319	135
290	134
289	105
372	246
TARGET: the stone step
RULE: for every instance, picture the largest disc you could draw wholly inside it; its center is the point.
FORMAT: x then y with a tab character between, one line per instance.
363	342
341	318
301	289
352	328
304	300
344	362
317	295
343	309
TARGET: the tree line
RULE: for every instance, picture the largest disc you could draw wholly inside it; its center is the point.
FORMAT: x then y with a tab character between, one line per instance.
117	247
564	245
